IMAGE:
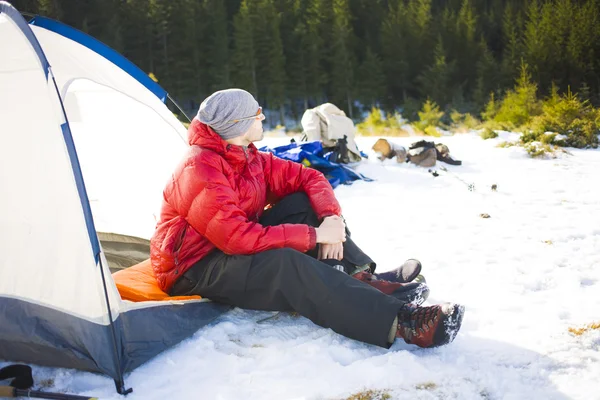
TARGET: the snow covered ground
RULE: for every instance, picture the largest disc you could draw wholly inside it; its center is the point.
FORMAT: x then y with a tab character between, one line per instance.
525	275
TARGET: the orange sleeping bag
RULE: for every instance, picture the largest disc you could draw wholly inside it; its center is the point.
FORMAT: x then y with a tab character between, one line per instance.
137	283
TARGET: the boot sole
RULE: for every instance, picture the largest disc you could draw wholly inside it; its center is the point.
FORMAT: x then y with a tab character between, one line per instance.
449	326
416	296
405	273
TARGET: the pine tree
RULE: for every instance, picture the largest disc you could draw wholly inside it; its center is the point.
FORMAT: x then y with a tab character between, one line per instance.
512	45
244	56
371	80
487	76
394	43
215	37
275	92
319	21
342	60
138	34
421	37
52	9
467	52
520	104
435	80
534	40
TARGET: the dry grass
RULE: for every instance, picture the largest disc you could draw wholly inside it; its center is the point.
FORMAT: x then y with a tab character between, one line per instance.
426	386
581	331
370	395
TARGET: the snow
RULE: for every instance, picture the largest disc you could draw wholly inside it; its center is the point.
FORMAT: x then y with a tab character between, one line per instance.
526	275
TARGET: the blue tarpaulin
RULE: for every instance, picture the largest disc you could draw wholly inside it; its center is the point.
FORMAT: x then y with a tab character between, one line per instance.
311	154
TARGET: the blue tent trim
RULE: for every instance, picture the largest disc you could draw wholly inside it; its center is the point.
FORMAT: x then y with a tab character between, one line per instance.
83	196
16	17
102	49
311	154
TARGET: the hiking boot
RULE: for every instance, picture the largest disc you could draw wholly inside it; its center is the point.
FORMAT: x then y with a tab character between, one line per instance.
407	272
429	326
414	293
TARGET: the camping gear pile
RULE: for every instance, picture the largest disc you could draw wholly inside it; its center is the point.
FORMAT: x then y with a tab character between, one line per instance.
422	153
327	145
82	131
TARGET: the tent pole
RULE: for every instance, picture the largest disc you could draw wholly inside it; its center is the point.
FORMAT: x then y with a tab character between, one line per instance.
120	383
180	109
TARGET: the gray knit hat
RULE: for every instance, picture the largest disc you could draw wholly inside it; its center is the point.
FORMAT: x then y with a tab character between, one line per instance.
220	109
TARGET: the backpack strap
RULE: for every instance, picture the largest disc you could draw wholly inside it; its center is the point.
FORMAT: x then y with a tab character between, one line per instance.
21	374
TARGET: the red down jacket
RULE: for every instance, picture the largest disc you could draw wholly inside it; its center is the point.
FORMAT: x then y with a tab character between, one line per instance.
215	198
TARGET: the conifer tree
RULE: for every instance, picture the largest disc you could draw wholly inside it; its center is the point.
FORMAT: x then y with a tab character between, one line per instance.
371	81
435	80
244	56
394	43
215	37
512	45
342	60
275	71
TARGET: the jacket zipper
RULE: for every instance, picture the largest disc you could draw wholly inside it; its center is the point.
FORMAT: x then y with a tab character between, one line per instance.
248	166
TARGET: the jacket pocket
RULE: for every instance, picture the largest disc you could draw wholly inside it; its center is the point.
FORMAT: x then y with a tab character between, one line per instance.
174	237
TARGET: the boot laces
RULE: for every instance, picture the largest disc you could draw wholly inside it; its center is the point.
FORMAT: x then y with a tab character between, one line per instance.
416	321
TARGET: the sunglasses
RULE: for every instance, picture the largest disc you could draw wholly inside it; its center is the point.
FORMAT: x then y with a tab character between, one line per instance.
258	115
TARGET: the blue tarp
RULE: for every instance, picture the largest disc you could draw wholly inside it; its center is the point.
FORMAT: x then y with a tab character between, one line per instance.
311	154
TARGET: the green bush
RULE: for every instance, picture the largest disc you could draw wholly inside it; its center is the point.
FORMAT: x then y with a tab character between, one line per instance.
429	116
567	115
432	131
507	144
463	122
538	149
488	134
491	109
376	125
520	105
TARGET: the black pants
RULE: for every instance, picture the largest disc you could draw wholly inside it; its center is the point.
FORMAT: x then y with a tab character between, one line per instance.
287	280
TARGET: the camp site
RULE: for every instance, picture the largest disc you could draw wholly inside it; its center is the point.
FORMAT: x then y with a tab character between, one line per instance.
299	199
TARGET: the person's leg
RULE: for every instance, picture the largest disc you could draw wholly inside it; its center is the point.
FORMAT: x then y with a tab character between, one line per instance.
287	280
296	209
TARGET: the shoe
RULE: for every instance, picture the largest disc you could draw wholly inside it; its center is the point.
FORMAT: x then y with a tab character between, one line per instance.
429	326
407	272
413	293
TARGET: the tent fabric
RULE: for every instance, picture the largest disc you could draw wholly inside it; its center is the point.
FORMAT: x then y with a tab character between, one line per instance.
46	336
311	154
111	113
123	251
103	50
138	283
43	220
84	145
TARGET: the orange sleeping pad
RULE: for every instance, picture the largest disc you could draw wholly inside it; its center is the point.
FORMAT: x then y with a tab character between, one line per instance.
138	283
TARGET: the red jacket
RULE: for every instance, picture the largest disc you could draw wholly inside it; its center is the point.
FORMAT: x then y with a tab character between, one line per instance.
215	198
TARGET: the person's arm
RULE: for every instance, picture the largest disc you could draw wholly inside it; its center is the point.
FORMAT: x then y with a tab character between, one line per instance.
215	213
285	177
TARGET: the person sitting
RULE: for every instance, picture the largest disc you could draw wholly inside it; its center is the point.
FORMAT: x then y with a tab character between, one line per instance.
248	229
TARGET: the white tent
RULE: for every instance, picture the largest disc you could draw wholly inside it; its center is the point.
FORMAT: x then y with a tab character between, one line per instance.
87	145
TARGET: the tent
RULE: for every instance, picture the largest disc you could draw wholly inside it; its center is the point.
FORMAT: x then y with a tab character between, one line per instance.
87	145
